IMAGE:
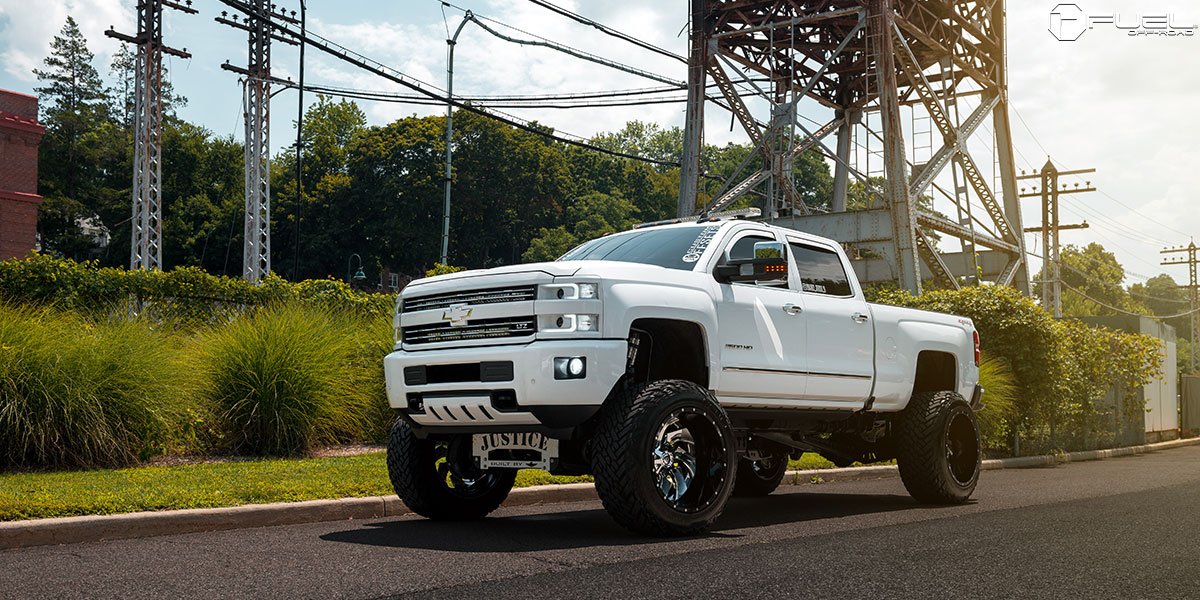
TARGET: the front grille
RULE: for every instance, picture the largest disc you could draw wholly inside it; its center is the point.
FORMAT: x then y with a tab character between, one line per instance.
480	329
472	297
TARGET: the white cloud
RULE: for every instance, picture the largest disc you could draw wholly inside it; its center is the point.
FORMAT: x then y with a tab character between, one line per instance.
27	31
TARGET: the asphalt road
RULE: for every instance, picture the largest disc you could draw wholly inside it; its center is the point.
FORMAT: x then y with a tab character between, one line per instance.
1121	528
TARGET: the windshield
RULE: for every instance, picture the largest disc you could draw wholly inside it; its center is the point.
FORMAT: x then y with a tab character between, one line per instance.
671	247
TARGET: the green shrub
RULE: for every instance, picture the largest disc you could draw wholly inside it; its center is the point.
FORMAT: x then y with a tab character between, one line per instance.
376	343
1061	368
999	401
79	393
186	294
440	269
286	378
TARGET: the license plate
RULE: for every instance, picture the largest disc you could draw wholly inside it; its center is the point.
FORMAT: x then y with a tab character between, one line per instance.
514	450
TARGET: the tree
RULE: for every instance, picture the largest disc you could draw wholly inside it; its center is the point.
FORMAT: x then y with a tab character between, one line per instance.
1095	273
330	131
1163	296
645	139
75	110
549	245
121	94
597	214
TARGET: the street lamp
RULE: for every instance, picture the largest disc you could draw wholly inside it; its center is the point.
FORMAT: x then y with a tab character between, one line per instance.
449	128
358	275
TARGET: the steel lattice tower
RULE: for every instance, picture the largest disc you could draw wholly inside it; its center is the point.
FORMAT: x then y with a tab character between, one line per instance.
866	61
145	250
256	105
256	101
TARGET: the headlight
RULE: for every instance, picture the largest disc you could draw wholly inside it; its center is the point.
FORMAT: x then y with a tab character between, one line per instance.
587	322
571	291
396	333
569	323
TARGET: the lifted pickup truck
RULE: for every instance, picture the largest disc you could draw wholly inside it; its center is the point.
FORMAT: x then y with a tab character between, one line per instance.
679	364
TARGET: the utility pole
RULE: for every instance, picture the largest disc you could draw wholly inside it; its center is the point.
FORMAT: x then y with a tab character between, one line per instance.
450	43
1193	290
299	143
256	100
693	134
1052	263
145	249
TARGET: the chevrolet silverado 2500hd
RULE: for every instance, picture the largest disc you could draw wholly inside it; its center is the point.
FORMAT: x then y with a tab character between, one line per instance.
679	364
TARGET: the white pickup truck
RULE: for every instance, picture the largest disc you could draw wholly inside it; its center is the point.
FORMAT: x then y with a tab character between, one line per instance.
679	364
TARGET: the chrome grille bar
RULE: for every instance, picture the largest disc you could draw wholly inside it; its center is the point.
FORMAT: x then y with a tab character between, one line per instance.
472	297
476	330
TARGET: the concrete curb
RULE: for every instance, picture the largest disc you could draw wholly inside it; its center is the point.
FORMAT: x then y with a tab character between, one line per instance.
1020	462
94	528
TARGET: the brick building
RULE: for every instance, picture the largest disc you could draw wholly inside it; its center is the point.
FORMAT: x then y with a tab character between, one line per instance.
20	134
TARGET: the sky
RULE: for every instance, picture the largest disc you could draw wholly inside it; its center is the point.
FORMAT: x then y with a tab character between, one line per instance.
1124	105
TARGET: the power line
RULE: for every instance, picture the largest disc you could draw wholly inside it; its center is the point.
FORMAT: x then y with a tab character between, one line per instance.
608	30
1121	310
1100	220
423	101
1027	128
345	54
577	53
1134	211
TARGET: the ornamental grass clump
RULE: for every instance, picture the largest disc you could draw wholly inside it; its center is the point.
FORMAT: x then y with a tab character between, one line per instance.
996	420
286	378
81	393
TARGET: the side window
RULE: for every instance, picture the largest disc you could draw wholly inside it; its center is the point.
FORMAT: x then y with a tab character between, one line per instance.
744	247
820	271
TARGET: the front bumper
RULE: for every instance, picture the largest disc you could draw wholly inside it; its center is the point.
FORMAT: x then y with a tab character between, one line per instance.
541	401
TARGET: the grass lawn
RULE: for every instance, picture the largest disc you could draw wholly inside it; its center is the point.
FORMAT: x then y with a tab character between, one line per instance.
70	493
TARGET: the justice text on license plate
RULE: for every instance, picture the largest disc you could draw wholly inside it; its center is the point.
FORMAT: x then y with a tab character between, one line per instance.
514	450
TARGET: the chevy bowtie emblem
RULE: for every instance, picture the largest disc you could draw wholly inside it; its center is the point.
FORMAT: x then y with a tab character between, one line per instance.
457	314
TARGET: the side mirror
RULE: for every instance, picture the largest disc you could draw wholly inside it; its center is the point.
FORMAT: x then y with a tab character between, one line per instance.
768	265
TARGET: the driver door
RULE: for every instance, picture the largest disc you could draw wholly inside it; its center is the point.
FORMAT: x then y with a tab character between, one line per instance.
762	334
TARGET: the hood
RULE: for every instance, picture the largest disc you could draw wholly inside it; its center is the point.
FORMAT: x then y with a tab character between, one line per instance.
553	269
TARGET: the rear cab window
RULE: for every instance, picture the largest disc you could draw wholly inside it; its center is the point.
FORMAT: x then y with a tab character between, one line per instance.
820	270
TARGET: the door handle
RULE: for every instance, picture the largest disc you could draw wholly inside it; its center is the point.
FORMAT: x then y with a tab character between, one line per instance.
859	317
792	309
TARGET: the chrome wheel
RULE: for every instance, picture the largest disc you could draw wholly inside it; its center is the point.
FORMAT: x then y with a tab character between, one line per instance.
674	461
687	460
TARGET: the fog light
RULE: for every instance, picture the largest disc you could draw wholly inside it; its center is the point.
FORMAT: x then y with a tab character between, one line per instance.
575	367
570	367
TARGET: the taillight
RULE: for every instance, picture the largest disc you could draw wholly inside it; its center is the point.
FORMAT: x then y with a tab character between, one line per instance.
976	333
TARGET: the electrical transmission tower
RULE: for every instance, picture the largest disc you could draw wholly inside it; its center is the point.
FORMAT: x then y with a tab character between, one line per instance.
145	251
1193	288
866	63
1051	259
256	102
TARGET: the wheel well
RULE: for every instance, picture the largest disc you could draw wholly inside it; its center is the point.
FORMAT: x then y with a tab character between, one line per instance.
936	371
668	349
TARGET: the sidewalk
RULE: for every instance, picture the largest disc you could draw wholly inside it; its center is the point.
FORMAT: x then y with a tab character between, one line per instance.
74	530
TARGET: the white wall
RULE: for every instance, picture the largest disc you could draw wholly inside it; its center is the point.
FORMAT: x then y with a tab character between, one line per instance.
1161	399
